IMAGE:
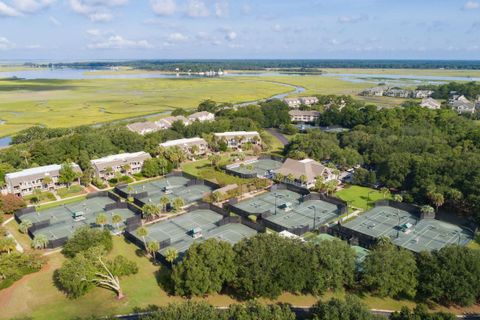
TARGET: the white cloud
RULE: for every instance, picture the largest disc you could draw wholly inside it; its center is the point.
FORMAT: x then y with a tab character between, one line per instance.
6	44
118	42
197	9
54	21
177	37
6	10
221	8
277	28
231	35
352	19
471	5
96	10
31	6
163	7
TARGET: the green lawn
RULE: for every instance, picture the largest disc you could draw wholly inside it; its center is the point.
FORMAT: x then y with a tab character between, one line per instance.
360	197
61	202
276	145
43	197
74	190
204	170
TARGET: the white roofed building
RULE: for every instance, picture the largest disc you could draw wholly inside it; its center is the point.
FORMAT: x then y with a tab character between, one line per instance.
430	103
124	163
235	139
305	172
44	178
201	116
143	127
191	146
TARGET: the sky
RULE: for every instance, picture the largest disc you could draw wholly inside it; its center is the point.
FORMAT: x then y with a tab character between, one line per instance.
74	30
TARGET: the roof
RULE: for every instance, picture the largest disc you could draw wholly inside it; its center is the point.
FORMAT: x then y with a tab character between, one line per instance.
139	127
37	173
311	113
236	133
429	102
200	114
119	159
186	141
307	167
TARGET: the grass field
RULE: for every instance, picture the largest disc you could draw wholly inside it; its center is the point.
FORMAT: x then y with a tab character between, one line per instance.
204	170
360	197
407	72
59	103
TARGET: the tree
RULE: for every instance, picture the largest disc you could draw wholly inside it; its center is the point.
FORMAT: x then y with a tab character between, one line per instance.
389	271
189	310
151	210
303	179
89	268
47	180
385	192
214	159
178	204
24	226
449	276
143	232
427	209
85	238
10	203
7	244
67	174
350	309
116	219
420	312
40	241
171	254
205	268
152	248
101	220
398	198
164	201
254	310
436	199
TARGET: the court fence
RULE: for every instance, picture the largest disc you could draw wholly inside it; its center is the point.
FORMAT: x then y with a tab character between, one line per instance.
342	206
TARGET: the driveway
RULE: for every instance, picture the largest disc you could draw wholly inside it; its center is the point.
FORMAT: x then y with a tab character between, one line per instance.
278	135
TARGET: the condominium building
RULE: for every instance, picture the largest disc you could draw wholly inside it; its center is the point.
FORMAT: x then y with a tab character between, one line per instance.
191	146
235	139
124	163
44	178
304	116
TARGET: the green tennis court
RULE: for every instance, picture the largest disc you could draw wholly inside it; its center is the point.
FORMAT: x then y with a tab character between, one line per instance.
178	231
171	187
288	210
63	224
261	167
405	229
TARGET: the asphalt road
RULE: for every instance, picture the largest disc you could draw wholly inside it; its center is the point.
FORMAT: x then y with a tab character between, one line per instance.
278	135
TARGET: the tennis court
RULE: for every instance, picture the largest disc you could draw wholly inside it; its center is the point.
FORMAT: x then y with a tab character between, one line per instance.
171	187
177	232
61	221
287	209
261	168
405	229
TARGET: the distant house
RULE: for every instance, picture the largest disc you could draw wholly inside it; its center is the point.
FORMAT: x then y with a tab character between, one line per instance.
306	169
235	139
376	92
44	178
187	145
293	103
143	127
430	103
304	116
398	93
461	104
201	116
124	163
421	94
166	123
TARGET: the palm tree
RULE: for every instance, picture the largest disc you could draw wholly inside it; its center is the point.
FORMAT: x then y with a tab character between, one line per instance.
194	149
427	209
40	241
384	191
177	204
116	219
171	254
25	154
436	199
126	168
279	177
108	171
303	179
24	226
47	180
398	198
7	245
164	201
143	232
151	210
101	220
290	177
152	248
